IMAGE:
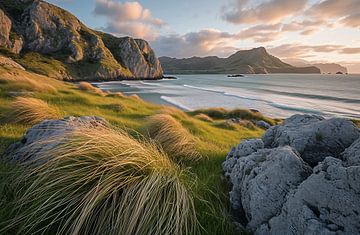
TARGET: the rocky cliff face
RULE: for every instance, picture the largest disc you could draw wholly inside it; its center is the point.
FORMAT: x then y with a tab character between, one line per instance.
254	61
51	31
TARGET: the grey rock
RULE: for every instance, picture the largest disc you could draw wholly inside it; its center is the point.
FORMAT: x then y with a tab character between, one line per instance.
40	136
327	202
351	155
312	136
262	180
135	55
243	149
262	124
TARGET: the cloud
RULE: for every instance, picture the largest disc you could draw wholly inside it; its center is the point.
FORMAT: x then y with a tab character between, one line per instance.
273	11
128	18
346	12
202	43
303	51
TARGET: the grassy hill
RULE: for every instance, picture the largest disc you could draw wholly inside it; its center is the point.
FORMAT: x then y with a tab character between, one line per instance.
213	136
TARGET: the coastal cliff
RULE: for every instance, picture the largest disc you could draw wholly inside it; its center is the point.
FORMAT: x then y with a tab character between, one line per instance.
49	40
254	61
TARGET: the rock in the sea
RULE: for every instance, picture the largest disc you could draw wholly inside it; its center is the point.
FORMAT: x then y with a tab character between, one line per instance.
262	180
274	190
262	124
327	202
41	136
313	136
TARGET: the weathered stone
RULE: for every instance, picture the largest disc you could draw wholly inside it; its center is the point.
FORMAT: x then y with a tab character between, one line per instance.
262	124
243	149
351	155
262	180
327	202
38	138
312	136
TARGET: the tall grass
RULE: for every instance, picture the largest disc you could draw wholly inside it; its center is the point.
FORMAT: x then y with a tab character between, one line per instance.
173	137
221	113
31	111
85	86
203	117
102	181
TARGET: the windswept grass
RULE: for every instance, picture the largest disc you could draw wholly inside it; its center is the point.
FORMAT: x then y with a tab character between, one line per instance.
31	111
102	181
173	137
221	113
85	86
203	117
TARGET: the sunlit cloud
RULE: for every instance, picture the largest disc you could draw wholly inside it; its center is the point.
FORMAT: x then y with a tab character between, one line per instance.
128	18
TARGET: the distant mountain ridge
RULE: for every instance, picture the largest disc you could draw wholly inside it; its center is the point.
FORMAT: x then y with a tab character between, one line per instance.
49	40
326	68
254	61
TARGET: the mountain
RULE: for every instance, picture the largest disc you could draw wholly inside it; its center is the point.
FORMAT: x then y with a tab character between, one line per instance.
49	40
254	61
324	67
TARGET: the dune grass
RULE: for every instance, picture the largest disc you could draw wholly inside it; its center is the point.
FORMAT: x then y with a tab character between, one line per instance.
203	117
85	86
32	111
102	181
221	113
210	193
176	141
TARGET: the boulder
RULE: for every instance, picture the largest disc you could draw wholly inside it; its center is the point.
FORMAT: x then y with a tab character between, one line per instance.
313	136
243	149
262	180
262	124
275	190
351	155
327	202
40	136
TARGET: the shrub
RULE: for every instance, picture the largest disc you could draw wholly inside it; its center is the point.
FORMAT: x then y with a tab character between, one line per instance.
85	86
102	181
135	97
31	111
203	117
176	141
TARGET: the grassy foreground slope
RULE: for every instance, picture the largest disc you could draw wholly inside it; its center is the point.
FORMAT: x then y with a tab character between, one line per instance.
213	137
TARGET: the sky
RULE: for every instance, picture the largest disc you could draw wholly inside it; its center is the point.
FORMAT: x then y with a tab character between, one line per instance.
311	30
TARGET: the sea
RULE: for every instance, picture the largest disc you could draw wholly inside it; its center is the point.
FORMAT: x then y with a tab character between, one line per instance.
275	95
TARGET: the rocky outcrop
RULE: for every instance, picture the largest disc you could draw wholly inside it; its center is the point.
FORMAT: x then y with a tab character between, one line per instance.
313	136
134	54
51	31
40	137
9	39
275	190
7	62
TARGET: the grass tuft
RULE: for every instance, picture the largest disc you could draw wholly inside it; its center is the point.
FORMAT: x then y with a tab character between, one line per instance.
31	111
173	137
85	86
102	181
204	117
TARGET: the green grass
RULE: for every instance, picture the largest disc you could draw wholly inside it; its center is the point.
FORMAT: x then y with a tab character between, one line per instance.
212	141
